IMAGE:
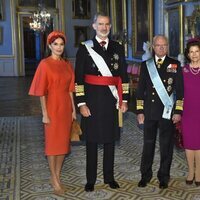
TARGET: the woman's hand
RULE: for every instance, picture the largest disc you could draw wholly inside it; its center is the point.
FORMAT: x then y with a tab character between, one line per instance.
46	119
74	115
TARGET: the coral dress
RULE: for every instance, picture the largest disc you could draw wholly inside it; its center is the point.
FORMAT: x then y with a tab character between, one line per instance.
191	110
55	79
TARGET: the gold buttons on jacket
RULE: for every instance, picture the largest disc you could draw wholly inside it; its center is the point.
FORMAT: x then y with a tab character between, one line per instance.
152	100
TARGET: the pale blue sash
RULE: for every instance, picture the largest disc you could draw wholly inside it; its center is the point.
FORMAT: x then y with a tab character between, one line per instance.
167	101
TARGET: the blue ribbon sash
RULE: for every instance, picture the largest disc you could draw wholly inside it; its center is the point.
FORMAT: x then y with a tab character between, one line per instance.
168	101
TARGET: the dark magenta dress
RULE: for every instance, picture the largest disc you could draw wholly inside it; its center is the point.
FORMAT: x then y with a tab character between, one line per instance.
191	110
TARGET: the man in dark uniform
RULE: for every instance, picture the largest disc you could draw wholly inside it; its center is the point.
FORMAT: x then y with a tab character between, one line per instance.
150	100
101	91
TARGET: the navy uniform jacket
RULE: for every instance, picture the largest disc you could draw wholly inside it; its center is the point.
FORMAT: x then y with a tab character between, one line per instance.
102	125
147	99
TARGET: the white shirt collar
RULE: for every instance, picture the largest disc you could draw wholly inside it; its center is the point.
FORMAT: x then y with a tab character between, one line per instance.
99	40
156	58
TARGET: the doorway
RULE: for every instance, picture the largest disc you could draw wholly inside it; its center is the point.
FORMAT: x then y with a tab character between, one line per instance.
30	59
30	44
34	46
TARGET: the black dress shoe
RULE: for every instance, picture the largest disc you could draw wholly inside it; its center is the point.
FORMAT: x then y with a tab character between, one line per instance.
89	187
189	182
163	185
143	182
113	184
197	183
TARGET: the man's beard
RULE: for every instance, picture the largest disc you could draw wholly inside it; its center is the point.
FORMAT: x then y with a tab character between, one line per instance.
103	34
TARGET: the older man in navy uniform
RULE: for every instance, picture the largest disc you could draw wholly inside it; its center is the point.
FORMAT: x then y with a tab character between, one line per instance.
159	105
101	94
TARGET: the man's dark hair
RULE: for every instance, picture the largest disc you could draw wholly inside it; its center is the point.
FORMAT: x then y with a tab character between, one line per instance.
99	14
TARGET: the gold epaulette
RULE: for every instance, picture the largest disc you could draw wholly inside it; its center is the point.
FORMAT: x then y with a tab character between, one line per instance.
125	88
179	105
79	89
139	104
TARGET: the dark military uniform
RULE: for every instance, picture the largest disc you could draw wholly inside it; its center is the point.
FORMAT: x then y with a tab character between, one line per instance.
149	103
102	125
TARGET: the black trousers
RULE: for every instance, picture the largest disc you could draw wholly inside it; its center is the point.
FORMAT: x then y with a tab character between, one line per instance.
91	162
166	143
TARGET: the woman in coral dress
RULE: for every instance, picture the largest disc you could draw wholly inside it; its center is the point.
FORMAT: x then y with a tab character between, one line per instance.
191	111
53	82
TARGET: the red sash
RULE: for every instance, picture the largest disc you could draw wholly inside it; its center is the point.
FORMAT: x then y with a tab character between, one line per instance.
106	80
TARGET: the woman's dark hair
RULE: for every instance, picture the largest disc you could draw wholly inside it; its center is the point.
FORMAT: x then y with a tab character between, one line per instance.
48	51
192	42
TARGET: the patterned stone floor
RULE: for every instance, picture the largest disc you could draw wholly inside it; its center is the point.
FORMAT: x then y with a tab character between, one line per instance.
24	173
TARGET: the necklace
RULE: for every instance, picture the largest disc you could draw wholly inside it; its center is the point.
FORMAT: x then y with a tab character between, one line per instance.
194	71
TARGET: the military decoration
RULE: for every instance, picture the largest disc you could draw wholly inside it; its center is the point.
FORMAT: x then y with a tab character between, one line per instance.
116	66
185	70
115	60
170	81
116	56
172	68
169	88
159	63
